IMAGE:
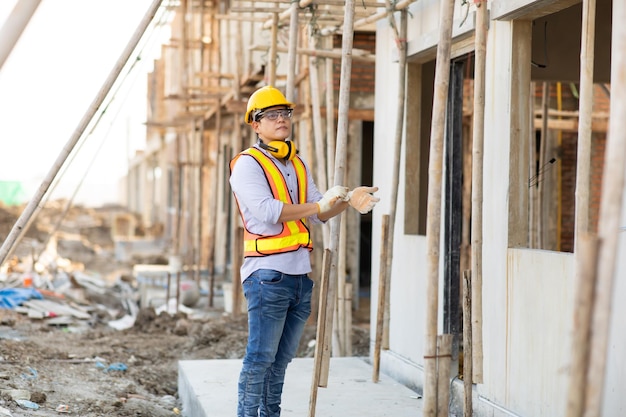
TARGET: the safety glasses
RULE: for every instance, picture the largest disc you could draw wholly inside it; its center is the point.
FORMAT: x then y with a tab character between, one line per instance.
275	114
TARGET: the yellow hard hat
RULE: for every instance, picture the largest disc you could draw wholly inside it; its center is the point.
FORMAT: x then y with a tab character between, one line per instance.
263	98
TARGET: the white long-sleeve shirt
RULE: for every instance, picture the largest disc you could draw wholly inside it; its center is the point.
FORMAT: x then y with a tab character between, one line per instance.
261	212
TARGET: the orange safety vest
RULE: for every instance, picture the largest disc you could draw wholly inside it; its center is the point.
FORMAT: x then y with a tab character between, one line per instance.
295	233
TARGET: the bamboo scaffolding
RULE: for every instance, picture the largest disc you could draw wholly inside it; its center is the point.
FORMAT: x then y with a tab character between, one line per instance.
330	117
292	55
358	55
372	18
322	351
442	75
271	62
322	179
585	246
610	214
31	207
585	117
478	136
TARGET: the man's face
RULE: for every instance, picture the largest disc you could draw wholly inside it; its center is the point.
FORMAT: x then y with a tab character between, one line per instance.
274	123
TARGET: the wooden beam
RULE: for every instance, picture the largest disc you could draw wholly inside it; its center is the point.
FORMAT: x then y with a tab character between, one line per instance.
357	54
239	106
571	125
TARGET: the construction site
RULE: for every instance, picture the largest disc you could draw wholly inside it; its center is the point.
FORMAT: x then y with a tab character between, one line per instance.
483	283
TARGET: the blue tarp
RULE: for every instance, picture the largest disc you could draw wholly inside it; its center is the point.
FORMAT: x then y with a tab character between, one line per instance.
13	297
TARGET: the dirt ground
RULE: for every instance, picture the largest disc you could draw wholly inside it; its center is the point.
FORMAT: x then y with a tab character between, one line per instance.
94	370
88	368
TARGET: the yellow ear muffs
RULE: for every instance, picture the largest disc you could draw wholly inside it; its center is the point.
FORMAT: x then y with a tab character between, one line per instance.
283	150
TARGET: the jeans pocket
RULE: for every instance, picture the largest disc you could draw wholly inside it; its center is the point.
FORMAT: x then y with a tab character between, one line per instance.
268	277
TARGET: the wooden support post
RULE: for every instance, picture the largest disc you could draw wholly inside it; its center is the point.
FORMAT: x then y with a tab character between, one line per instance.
292	55
467	344
382	290
271	67
585	116
478	133
610	215
586	265
340	162
330	116
320	148
444	359
400	39
318	363
339	341
442	80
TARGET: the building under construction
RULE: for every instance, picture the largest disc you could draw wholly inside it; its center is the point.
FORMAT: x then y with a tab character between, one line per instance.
493	131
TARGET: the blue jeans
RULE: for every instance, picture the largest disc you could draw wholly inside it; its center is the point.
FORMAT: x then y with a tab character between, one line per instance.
278	308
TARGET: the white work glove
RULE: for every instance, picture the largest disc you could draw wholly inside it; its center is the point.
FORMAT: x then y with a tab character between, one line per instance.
362	200
338	192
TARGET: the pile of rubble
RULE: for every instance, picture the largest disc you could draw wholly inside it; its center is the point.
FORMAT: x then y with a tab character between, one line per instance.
71	275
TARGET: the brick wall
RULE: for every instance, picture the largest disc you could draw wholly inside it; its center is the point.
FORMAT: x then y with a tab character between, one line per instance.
363	73
568	154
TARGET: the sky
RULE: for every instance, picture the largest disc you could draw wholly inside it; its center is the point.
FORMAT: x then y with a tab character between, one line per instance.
53	74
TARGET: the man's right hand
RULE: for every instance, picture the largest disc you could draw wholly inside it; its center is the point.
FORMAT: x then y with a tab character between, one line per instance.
338	192
362	200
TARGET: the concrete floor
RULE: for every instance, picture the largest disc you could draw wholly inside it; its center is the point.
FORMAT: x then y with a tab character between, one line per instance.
208	388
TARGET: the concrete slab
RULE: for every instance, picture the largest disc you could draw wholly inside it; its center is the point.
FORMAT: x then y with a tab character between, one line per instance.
209	389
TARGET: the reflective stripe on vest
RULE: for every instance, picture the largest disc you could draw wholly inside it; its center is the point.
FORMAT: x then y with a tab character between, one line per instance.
294	234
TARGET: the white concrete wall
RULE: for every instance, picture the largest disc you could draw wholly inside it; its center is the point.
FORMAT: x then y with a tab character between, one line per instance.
528	295
614	398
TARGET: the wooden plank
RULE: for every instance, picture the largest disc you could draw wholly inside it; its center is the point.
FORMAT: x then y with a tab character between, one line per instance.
382	291
442	79
47	306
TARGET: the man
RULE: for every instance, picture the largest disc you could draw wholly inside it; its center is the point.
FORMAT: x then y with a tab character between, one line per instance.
278	201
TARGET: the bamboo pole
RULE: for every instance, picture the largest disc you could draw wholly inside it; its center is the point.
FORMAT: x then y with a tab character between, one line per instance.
539	238
372	18
444	359
210	167
478	137
586	265
467	343
318	365
292	55
610	214
288	13
330	117
585	117
31	207
442	75
382	290
322	179
400	39
339	341
340	163
358	55
14	25
271	70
